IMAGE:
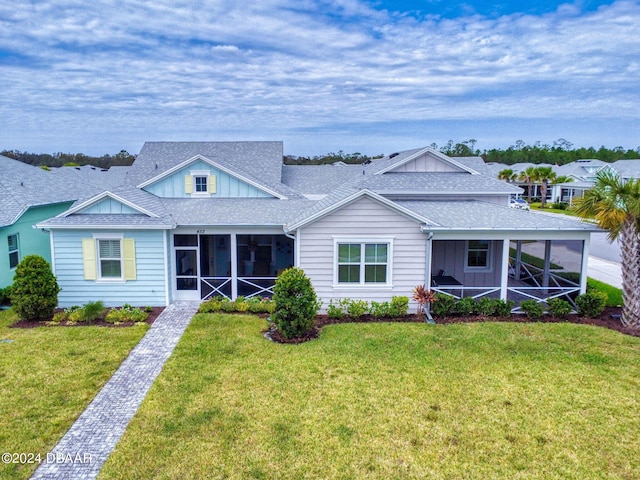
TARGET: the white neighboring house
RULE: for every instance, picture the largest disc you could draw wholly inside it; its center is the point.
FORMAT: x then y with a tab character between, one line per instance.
194	220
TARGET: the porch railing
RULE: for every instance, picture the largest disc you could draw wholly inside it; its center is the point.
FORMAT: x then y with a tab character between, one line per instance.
217	285
247	286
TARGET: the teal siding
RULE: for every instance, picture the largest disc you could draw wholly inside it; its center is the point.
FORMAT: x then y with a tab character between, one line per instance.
227	186
31	241
148	288
109	205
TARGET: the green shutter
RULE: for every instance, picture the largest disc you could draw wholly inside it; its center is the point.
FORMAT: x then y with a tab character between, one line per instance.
188	184
211	184
129	256
89	258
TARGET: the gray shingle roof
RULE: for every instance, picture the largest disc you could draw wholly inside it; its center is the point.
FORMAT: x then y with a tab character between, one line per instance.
259	162
437	184
318	179
23	186
476	215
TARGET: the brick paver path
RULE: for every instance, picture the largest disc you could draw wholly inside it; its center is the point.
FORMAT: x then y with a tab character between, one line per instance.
86	446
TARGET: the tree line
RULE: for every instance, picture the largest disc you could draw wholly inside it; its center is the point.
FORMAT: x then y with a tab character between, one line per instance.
560	152
122	158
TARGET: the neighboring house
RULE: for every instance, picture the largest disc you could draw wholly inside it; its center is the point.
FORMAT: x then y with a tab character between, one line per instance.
192	220
29	195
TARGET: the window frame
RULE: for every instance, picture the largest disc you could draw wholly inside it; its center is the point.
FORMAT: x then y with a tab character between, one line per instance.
99	276
208	177
362	264
489	250
13	252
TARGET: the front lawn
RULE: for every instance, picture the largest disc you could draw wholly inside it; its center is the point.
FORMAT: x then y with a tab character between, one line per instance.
48	376
390	400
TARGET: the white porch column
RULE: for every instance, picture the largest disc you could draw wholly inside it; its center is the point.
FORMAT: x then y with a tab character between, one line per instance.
547	263
518	265
585	265
234	266
428	254
504	276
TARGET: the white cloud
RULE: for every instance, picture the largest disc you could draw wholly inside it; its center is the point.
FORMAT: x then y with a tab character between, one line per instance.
185	67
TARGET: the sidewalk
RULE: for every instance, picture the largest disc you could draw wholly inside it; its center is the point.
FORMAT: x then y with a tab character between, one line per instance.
84	449
605	271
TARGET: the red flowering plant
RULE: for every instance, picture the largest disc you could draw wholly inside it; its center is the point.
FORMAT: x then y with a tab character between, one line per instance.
424	297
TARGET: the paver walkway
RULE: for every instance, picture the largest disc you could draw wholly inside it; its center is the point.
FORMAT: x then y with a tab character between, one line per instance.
86	446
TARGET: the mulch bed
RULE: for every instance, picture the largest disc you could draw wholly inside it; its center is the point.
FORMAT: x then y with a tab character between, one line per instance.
610	318
153	314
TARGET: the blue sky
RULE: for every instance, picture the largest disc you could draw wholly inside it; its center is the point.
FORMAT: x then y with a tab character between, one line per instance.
370	76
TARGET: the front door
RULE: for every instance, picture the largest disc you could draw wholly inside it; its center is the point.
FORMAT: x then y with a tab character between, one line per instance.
186	267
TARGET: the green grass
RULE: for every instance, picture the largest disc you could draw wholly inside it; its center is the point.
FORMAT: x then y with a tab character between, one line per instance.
387	401
614	295
48	376
569	211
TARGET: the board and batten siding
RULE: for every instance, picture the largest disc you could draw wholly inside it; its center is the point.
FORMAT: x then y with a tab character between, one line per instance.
449	255
109	205
361	219
148	288
426	163
227	186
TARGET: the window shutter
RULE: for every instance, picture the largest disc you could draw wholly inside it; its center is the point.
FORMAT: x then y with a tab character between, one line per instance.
211	184
188	184
89	258
129	256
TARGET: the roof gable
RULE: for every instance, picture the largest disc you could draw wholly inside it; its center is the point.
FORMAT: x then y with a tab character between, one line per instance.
107	203
170	183
425	160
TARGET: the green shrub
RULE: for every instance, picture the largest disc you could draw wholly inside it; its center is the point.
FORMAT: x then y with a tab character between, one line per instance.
380	309
592	303
227	305
92	311
443	305
399	306
485	306
211	306
296	303
5	295
558	308
357	308
126	314
465	306
260	305
60	317
532	308
34	293
241	306
502	308
335	310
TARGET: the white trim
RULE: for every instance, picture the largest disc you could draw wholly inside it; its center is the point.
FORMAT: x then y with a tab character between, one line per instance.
352	198
102	196
167	279
226	170
484	269
105	227
363	240
434	153
99	277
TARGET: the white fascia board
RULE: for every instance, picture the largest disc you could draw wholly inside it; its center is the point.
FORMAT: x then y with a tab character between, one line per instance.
102	196
104	227
351	198
435	153
214	164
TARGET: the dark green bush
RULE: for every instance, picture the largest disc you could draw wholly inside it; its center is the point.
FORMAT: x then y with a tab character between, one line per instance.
443	305
558	308
5	295
92	311
357	308
465	306
485	306
502	308
592	303
34	293
533	309
399	306
296	303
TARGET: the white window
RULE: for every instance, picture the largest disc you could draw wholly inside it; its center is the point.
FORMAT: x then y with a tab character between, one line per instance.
363	262
109	258
200	183
478	256
14	251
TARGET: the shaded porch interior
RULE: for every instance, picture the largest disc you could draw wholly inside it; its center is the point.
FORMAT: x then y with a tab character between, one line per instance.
535	269
230	265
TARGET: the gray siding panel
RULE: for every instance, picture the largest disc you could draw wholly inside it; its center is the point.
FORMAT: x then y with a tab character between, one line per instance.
363	218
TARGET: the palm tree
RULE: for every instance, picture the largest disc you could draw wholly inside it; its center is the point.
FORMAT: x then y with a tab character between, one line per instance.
545	175
508	175
615	205
529	176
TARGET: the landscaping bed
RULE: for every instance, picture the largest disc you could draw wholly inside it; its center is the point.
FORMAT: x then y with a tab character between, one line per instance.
609	318
153	313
